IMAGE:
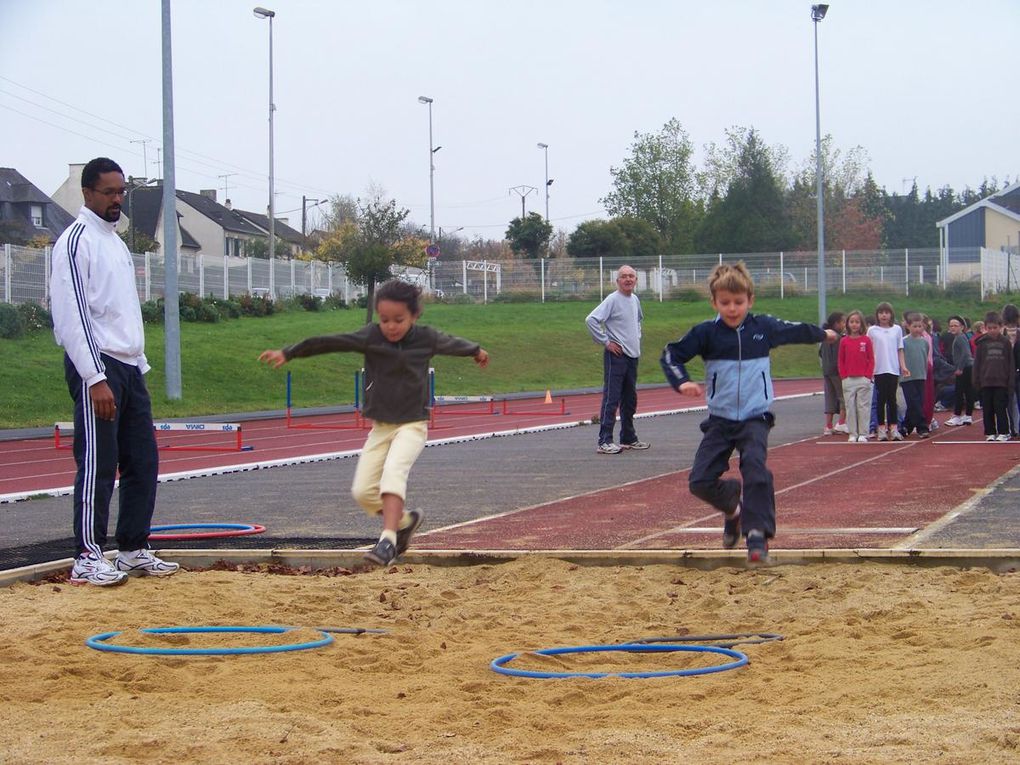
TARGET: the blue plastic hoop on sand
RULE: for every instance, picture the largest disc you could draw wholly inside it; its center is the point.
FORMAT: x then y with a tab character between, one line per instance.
498	665
99	643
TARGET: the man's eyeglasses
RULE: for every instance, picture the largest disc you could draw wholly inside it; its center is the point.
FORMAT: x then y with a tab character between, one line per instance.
110	193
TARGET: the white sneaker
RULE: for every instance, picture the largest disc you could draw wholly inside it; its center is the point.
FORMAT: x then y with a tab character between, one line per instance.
1002	437
895	435
934	424
827	432
954	421
144	563
840	428
883	435
862	439
966	420
95	570
608	448
989	438
852	440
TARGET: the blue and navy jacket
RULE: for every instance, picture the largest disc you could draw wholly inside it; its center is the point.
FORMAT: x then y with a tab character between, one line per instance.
738	373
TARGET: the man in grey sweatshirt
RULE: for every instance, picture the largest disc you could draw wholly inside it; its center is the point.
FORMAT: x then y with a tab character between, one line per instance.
616	325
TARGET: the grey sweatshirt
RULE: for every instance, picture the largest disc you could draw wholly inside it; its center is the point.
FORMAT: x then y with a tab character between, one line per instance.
618	318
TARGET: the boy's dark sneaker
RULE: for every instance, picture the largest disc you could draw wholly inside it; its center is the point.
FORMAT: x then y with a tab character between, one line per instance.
731	529
404	535
757	548
383	554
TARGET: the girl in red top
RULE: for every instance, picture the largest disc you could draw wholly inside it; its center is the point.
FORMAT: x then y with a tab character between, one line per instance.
856	370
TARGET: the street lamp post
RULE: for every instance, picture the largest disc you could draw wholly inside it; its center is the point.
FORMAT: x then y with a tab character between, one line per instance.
817	14
545	148
304	216
265	13
432	173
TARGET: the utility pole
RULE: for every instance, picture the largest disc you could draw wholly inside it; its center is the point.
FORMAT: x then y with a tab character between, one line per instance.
523	191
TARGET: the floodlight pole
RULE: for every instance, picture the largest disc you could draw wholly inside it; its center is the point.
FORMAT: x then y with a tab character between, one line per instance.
817	14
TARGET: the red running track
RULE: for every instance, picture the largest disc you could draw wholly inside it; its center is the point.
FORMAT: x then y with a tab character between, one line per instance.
829	494
34	466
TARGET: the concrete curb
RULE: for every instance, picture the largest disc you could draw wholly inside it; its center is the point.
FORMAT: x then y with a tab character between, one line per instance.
997	560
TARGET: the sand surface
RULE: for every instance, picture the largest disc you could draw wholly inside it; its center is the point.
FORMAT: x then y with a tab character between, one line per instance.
880	663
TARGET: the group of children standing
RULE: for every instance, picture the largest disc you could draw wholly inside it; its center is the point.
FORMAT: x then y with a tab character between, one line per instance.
883	380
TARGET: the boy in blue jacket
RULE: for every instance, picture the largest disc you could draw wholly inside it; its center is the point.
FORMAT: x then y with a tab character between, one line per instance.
735	347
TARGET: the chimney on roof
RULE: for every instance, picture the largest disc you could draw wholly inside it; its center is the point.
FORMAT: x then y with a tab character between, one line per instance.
210	193
228	205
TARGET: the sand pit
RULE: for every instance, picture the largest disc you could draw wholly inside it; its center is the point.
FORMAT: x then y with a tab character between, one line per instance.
880	663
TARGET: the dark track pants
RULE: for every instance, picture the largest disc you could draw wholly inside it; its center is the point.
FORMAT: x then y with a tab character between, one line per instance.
101	447
619	390
751	439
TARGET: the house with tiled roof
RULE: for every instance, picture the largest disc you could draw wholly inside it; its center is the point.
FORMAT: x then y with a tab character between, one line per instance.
206	226
142	213
295	241
992	223
26	213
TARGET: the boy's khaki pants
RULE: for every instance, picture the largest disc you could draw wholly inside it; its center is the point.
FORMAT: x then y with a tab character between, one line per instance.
386	459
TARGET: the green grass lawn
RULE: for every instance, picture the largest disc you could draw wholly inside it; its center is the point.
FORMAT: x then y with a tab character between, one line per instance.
533	346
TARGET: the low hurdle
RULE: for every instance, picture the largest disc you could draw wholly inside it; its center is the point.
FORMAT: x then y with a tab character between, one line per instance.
438	402
237	445
360	423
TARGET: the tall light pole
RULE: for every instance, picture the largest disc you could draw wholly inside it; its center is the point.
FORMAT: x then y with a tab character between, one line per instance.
545	148
432	173
265	13
817	14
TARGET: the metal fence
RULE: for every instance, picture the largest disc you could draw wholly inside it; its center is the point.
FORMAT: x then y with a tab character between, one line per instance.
25	275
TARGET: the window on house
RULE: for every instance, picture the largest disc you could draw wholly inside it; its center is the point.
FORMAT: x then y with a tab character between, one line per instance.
37	216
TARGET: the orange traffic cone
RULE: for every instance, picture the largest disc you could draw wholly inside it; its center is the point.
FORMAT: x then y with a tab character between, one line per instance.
548	396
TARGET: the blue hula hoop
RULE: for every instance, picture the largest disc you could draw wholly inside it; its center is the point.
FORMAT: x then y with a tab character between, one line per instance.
740	659
99	643
178	526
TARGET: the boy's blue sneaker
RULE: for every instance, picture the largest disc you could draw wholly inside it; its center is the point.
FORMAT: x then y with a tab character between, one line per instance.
383	554
757	548
404	535
731	529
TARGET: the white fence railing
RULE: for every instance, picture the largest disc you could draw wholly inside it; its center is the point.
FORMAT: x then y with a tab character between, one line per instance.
25	275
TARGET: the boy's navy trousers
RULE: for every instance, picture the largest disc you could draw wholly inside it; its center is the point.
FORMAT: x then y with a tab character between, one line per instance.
756	495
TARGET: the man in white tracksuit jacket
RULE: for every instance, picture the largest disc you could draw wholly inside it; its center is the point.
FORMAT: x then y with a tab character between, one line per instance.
98	321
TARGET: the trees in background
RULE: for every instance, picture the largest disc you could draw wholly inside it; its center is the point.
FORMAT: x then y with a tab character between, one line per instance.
371	242
657	183
528	236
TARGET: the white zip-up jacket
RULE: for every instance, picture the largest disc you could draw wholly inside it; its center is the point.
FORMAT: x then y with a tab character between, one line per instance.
94	299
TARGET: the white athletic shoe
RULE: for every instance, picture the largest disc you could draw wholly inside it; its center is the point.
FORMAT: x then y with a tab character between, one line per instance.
895	435
990	438
883	435
144	563
862	439
966	420
608	448
95	570
1002	437
840	427
954	421
852	440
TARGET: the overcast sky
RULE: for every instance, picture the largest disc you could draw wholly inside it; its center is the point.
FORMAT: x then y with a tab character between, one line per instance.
925	86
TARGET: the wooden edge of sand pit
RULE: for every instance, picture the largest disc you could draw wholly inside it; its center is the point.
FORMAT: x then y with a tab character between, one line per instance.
998	560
